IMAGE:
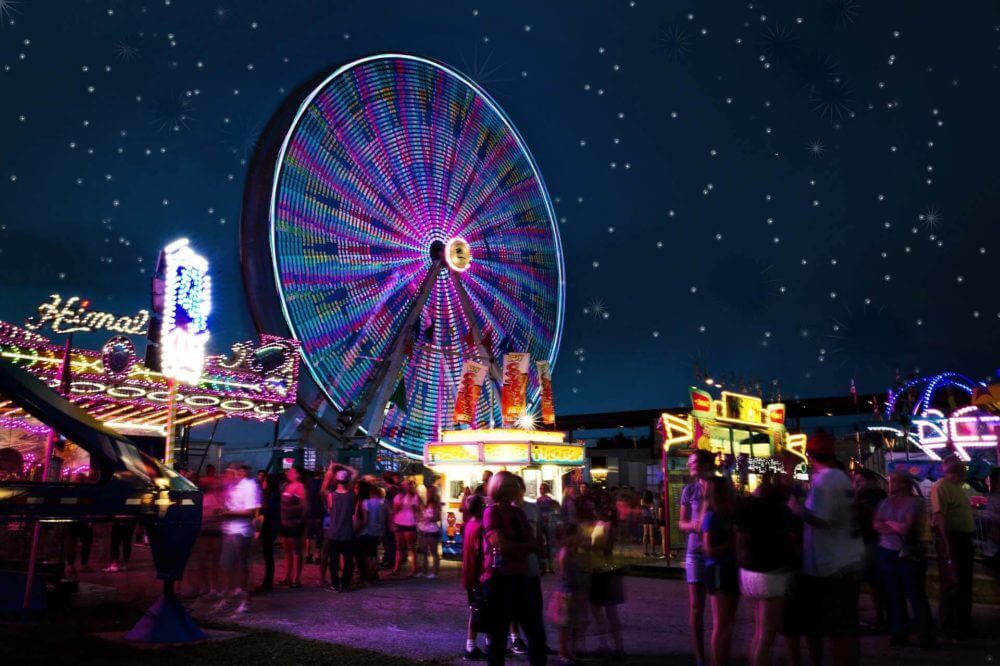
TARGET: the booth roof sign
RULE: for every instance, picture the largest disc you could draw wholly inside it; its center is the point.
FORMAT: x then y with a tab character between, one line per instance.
75	316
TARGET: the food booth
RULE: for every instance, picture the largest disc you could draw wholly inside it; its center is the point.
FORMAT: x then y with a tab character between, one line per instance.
748	437
461	457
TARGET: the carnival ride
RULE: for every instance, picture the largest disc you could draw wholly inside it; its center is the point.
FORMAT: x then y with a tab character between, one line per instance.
396	225
125	482
926	413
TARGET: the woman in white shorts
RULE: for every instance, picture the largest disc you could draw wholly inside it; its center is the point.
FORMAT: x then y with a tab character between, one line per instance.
764	551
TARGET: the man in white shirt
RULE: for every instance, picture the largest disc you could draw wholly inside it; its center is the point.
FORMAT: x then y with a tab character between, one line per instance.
832	553
243	500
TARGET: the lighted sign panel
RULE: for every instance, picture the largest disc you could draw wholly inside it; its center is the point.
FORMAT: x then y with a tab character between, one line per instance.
742	407
187	304
502	435
444	454
556	454
507	454
75	316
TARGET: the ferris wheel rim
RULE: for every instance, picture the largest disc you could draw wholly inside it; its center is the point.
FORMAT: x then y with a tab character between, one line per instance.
278	170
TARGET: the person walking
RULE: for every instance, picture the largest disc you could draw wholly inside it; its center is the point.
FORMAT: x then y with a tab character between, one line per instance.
243	500
567	607
832	554
764	552
606	588
392	488
507	542
472	570
721	569
954	529
371	517
405	511
340	504
122	533
648	520
429	529
868	494
270	515
548	511
899	522
294	504
701	466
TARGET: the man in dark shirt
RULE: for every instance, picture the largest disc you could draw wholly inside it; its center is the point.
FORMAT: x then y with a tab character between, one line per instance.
340	532
391	480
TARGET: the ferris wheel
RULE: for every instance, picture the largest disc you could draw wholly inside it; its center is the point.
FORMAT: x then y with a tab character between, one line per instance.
396	225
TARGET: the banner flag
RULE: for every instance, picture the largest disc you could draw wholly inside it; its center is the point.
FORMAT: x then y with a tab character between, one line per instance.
545	382
470	386
514	395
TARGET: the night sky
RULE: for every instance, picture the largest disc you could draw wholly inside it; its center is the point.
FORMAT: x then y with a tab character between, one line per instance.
801	192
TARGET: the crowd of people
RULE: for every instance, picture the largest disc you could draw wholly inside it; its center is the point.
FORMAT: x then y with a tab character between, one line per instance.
798	553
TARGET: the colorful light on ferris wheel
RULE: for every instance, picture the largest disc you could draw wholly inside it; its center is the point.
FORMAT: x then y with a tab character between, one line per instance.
386	159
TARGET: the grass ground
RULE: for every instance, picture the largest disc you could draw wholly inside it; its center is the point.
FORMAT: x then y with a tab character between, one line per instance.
67	637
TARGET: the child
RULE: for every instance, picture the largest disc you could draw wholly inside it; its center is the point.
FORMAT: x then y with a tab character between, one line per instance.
568	604
472	567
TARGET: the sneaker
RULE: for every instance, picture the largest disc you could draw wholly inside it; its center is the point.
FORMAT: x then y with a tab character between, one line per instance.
111	568
518	646
416	574
475	654
331	588
242	607
220	605
431	576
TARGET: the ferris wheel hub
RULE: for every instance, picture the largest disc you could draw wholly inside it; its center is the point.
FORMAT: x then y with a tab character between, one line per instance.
457	254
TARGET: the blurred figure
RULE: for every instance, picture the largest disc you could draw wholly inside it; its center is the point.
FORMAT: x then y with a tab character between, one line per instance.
868	494
429	529
606	589
340	504
701	466
721	570
405	510
507	542
243	499
764	552
294	503
992	513
472	570
832	554
270	515
314	519
122	533
81	532
548	510
533	576
954	528
370	515
392	488
899	522
567	607
204	563
647	516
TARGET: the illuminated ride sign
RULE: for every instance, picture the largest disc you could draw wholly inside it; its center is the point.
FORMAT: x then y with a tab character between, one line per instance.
721	418
186	306
75	316
937	435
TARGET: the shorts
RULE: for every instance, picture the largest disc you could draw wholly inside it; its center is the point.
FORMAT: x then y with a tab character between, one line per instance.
314	529
429	539
292	531
235	552
368	545
606	589
834	607
722	579
405	528
694	567
764	584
